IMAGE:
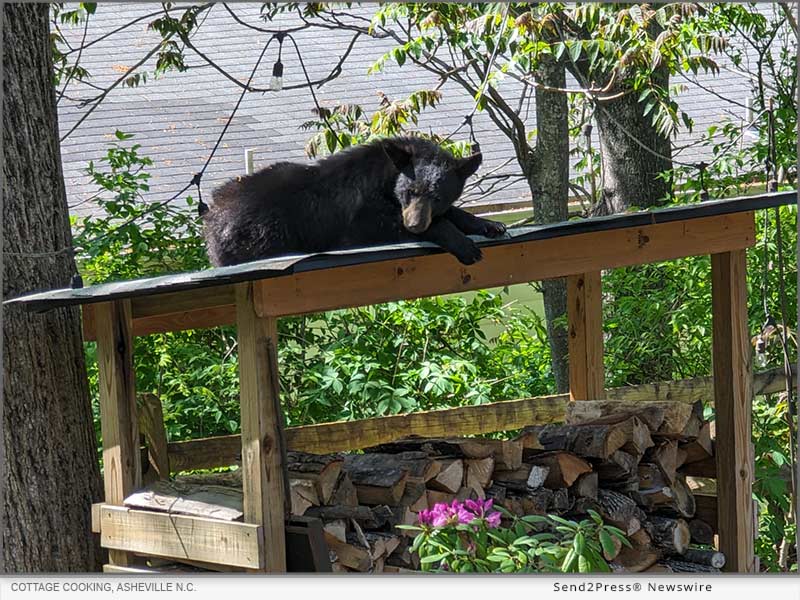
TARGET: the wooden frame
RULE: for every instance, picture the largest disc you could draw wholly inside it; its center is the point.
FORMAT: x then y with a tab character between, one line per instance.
255	307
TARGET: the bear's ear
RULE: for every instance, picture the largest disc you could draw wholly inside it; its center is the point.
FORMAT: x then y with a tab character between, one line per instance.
399	156
467	166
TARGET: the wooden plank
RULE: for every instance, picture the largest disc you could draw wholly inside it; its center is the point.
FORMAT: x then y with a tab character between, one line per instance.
223	451
508	264
151	425
733	394
262	422
121	459
585	336
182	537
194	500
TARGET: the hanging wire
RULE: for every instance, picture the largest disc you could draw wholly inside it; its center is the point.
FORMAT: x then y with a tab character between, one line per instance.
195	181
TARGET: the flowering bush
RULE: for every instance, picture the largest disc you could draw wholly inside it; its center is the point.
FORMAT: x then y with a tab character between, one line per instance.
468	537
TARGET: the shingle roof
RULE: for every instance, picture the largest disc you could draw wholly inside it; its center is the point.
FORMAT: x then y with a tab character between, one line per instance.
177	118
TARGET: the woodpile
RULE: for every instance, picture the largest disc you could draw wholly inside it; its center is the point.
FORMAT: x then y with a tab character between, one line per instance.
628	461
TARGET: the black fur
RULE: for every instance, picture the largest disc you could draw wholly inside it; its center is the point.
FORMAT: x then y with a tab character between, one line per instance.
392	190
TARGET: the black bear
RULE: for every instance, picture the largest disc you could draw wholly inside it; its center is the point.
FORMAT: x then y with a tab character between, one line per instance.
387	191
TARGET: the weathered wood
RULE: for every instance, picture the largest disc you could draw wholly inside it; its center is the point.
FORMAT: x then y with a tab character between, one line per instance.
590	441
710	558
701	448
732	402
414	497
450	477
151	426
419	468
620	466
345	492
479	471
207	453
265	495
435	498
370	517
619	510
564	467
701	532
323	470
665	457
585	486
303	495
209	501
680	566
337	529
675	413
585	336
537	476
176	536
670	534
351	556
119	424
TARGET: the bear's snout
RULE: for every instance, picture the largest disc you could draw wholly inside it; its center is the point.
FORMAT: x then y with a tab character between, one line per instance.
417	216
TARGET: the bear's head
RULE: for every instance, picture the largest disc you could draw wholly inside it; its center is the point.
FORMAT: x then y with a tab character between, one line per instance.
429	179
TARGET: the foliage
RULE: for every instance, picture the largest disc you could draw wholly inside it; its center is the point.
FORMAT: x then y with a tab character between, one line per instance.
468	537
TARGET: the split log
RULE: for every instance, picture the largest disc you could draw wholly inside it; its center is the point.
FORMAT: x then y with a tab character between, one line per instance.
650	477
337	529
496	492
450	477
620	466
585	486
701	532
507	454
414	497
352	556
537	476
679	566
479	472
701	447
589	440
665	457
303	494
709	558
695	423
533	502
564	467
376	478
322	469
619	510
345	492
435	497
418	466
197	500
639	557
683	501
562	501
671	534
706	467
615	411
368	516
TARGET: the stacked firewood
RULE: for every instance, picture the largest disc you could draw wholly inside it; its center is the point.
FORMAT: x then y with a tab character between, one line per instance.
625	460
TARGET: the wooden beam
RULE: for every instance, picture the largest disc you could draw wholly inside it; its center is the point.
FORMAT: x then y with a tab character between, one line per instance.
262	423
121	459
509	264
182	537
585	336
226	450
733	395
151	425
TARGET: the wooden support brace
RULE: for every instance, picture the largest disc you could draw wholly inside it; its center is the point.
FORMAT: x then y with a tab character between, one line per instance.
732	400
262	426
585	336
121	460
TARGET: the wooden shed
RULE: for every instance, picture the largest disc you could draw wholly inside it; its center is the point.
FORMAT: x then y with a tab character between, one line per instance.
255	295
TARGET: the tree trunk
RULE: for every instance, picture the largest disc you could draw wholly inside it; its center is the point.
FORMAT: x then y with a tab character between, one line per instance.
631	172
549	184
52	475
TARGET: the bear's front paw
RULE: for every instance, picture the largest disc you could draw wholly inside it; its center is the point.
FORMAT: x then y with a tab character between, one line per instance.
468	254
493	229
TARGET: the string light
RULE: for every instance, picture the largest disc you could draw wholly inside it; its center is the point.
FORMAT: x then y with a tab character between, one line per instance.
276	82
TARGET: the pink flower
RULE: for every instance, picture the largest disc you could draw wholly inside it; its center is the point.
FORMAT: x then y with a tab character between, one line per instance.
425	517
493	520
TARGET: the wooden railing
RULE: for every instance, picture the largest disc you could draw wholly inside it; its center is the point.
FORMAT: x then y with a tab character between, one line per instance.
222	451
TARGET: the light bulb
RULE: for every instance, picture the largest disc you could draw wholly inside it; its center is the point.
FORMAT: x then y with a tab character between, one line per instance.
761	352
761	360
276	82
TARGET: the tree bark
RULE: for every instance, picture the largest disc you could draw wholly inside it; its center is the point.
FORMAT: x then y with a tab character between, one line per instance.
630	171
52	474
549	184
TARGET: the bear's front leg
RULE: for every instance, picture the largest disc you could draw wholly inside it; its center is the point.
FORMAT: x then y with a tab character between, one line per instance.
472	225
445	234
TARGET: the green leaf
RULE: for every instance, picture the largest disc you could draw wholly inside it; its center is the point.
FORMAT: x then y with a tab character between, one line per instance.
607	543
433	558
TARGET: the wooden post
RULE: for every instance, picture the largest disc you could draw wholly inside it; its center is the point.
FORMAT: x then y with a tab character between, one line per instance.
121	460
732	401
585	315
151	426
262	437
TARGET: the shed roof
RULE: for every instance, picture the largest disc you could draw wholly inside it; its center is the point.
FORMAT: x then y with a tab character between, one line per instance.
286	265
